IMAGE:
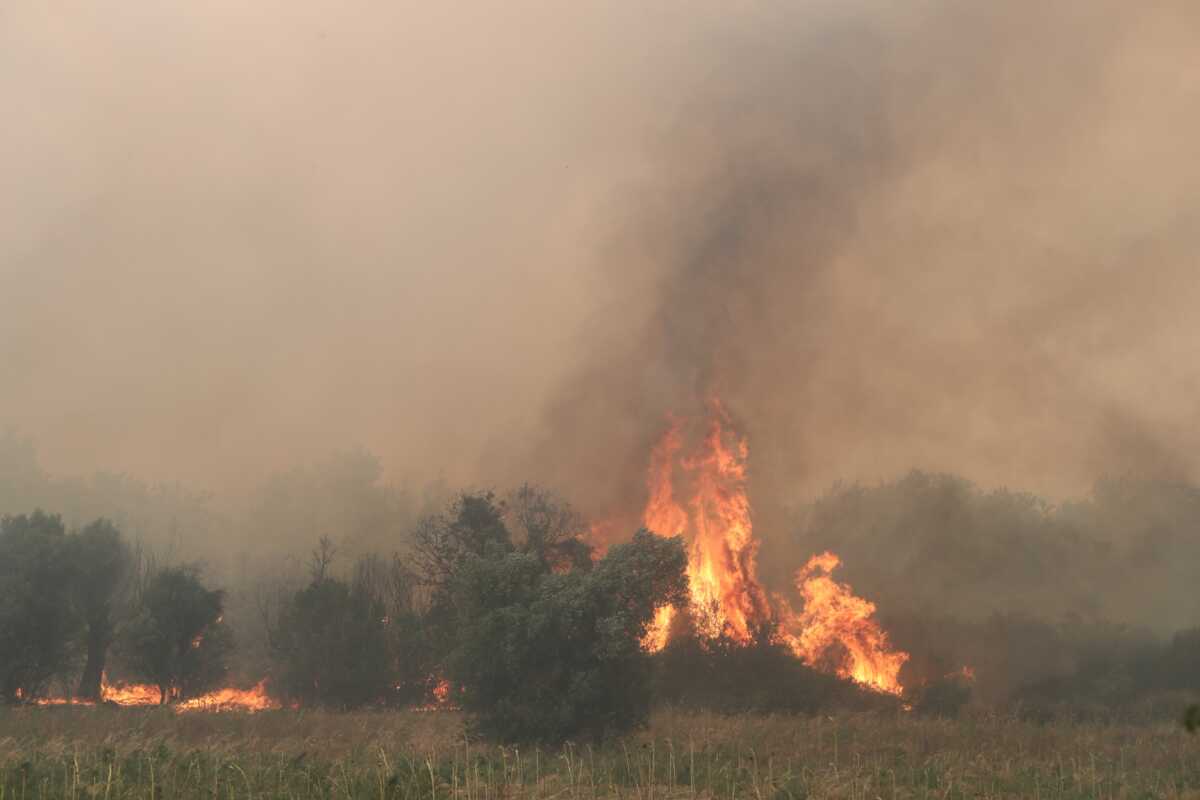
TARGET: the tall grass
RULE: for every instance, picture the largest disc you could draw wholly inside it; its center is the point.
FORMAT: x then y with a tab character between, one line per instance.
105	753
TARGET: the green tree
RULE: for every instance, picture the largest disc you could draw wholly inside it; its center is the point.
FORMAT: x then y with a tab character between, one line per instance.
546	525
100	566
330	646
37	619
547	656
176	640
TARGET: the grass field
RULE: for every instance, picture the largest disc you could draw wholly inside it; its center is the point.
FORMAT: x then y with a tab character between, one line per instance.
107	753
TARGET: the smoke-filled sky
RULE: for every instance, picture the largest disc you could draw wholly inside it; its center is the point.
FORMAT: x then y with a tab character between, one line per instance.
499	241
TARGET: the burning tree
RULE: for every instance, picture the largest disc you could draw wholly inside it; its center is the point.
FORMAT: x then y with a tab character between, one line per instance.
176	640
697	487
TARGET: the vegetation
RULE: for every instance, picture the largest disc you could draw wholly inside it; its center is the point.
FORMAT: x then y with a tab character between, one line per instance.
331	646
498	598
102	564
37	617
425	756
175	640
539	655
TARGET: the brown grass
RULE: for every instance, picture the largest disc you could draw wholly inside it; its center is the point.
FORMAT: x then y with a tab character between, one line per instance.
81	752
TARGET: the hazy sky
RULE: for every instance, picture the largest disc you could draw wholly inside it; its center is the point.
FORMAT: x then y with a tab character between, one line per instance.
501	240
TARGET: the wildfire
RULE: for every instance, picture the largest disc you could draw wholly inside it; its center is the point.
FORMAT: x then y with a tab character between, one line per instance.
700	493
253	699
726	596
133	695
837	630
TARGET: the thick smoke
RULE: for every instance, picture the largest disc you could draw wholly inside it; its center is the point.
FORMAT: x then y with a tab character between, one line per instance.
945	235
503	244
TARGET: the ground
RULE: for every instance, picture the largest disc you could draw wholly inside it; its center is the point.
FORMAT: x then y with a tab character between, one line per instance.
128	753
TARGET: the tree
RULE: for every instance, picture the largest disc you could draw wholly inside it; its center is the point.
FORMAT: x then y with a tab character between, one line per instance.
546	656
176	640
546	525
100	565
331	645
471	525
37	618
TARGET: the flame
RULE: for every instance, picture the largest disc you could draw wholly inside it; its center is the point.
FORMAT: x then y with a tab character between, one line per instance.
725	594
133	695
129	694
699	492
253	699
440	689
837	629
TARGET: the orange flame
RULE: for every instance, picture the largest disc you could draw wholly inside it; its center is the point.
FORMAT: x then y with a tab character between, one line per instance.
725	594
253	699
837	629
133	695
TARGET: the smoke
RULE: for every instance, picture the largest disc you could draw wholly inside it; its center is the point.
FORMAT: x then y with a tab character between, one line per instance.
504	243
947	235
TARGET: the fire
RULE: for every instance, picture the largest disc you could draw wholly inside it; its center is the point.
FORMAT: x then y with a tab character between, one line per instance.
726	596
129	694
440	689
837	629
700	492
253	699
134	695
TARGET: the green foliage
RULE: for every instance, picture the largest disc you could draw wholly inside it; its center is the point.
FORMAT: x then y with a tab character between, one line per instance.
538	655
37	617
176	639
101	563
546	526
331	646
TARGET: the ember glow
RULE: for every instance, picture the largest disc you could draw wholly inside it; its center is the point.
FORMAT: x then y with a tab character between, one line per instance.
698	491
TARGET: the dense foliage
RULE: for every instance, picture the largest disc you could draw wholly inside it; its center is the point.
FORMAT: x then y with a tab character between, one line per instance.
175	639
540	655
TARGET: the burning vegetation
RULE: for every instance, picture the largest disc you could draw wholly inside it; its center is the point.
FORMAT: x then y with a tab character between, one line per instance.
501	608
700	493
142	695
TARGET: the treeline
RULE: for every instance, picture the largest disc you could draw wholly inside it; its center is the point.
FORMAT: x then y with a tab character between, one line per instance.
500	599
1086	607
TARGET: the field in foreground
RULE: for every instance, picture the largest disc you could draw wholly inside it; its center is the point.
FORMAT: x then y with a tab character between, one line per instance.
99	752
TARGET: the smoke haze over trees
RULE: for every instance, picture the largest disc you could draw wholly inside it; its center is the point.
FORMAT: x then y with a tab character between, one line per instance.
953	236
279	272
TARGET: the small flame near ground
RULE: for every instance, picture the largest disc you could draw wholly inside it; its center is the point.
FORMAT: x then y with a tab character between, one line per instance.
134	695
699	492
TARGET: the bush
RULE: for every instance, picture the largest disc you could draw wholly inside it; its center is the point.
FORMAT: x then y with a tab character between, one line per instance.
331	646
543	656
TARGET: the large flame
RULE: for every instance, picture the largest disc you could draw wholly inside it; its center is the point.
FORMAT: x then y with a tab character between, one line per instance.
837	630
699	492
726	596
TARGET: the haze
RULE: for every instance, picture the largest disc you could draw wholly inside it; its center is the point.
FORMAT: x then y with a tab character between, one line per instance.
501	242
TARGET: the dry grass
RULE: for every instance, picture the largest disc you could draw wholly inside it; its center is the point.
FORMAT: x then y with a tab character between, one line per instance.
81	753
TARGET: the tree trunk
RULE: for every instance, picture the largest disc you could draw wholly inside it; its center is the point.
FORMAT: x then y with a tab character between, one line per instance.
93	671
